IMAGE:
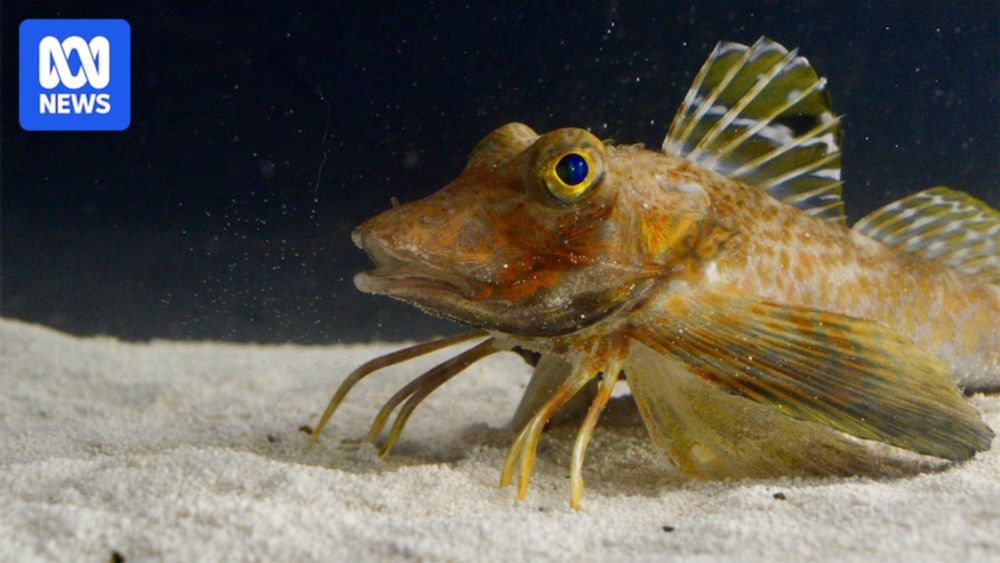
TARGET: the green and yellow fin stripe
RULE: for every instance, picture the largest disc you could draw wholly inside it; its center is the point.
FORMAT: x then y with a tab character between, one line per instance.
711	433
761	115
941	224
849	374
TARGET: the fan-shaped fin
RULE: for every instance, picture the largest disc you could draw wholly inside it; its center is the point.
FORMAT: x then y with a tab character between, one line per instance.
710	433
760	115
941	224
852	375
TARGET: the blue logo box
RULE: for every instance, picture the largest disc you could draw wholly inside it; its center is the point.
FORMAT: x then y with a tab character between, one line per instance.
75	75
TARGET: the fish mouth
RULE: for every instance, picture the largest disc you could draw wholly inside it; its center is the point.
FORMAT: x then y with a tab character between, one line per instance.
398	275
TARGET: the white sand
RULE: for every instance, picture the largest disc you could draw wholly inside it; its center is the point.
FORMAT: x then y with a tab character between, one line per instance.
192	452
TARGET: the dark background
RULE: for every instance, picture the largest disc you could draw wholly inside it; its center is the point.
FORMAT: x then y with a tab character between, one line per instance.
262	133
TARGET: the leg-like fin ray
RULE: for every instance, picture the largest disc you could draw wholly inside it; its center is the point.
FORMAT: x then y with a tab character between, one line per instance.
382	362
549	374
604	391
417	390
523	449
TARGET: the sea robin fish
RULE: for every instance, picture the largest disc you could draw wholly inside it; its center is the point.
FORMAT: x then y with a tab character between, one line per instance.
716	276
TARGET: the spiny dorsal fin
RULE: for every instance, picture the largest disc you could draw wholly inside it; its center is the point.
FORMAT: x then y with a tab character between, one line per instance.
760	115
941	224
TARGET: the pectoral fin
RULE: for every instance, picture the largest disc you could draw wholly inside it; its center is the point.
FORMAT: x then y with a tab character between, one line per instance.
852	375
710	433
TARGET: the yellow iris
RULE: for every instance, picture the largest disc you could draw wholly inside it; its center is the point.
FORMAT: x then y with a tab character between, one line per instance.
569	175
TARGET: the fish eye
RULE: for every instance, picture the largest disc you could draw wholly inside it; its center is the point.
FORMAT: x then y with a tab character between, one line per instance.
569	175
572	169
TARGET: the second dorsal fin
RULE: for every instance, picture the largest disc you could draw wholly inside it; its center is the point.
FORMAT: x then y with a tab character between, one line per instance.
941	224
760	115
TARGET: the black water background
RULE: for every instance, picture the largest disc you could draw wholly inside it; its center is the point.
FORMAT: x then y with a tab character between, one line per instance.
262	133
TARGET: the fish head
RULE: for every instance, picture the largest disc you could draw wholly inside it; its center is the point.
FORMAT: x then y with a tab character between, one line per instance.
540	235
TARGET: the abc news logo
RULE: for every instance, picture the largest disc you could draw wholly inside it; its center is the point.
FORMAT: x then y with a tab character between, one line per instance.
75	75
53	70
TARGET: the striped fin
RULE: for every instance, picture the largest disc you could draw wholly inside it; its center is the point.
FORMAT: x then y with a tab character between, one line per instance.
710	433
941	224
761	115
851	375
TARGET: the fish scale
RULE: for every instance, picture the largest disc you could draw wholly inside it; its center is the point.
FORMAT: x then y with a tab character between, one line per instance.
716	277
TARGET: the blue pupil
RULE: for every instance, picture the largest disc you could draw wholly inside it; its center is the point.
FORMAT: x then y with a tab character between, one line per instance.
572	169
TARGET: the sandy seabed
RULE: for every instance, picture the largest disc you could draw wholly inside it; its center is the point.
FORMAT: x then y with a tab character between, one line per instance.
194	451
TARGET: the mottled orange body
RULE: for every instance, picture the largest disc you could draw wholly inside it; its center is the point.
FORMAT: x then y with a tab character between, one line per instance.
753	327
780	253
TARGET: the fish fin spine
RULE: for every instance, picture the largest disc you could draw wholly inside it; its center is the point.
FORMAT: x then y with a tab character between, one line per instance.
761	115
941	224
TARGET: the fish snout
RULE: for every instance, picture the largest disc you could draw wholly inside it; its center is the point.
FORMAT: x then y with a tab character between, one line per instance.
401	233
411	260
